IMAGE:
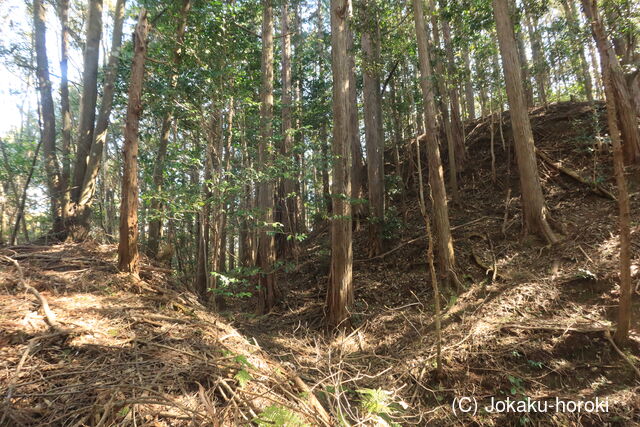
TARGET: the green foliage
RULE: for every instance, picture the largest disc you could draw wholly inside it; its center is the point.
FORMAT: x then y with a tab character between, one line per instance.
517	386
378	402
243	377
279	416
393	224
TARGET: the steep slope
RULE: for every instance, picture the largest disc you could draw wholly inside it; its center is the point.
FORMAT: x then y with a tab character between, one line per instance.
534	330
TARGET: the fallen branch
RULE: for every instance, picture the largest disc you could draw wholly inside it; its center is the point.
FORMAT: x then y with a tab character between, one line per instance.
312	399
421	237
595	187
585	329
607	335
49	316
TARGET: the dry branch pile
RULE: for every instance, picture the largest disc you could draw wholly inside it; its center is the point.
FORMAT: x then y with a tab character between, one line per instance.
123	349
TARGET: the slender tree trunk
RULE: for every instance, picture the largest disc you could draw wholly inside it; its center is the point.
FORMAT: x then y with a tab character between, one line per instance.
20	217
288	197
87	190
13	184
203	277
128	245
624	105
624	309
340	288
539	63
299	156
358	171
522	53
444	243
533	205
444	100
48	129
246	241
155	225
268	294
430	261
373	127
572	19
86	125
63	12
322	131
454	97
468	85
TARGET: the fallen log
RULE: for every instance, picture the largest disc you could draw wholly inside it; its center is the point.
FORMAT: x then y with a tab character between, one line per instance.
594	186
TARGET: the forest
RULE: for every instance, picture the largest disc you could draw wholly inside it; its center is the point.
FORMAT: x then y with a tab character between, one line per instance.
319	212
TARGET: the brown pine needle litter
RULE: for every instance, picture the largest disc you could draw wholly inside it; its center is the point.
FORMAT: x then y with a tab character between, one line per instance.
125	349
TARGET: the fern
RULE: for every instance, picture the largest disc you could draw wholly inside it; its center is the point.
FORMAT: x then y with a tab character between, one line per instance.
278	416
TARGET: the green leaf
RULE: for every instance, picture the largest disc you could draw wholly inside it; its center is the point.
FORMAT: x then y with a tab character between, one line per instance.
243	377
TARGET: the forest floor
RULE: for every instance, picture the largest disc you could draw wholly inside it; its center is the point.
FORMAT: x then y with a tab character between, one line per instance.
535	331
145	352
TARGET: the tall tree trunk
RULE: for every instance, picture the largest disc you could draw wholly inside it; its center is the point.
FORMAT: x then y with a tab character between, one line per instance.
522	53
299	156
468	85
288	197
357	161
443	100
246	246
128	245
65	108
454	98
572	19
155	225
340	287
268	294
533	205
373	125
88	188
624	105
322	132
48	129
444	244
624	309
539	62
86	125
203	269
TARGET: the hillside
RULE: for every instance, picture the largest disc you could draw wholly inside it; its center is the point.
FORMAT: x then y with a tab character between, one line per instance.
122	351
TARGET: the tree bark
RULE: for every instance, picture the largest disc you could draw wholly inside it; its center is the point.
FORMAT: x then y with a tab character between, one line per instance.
358	171
533	205
288	196
627	121
539	62
48	129
88	188
268	293
621	336
128	245
86	125
155	226
65	108
340	287
373	126
468	85
443	103
454	98
574	24
444	244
